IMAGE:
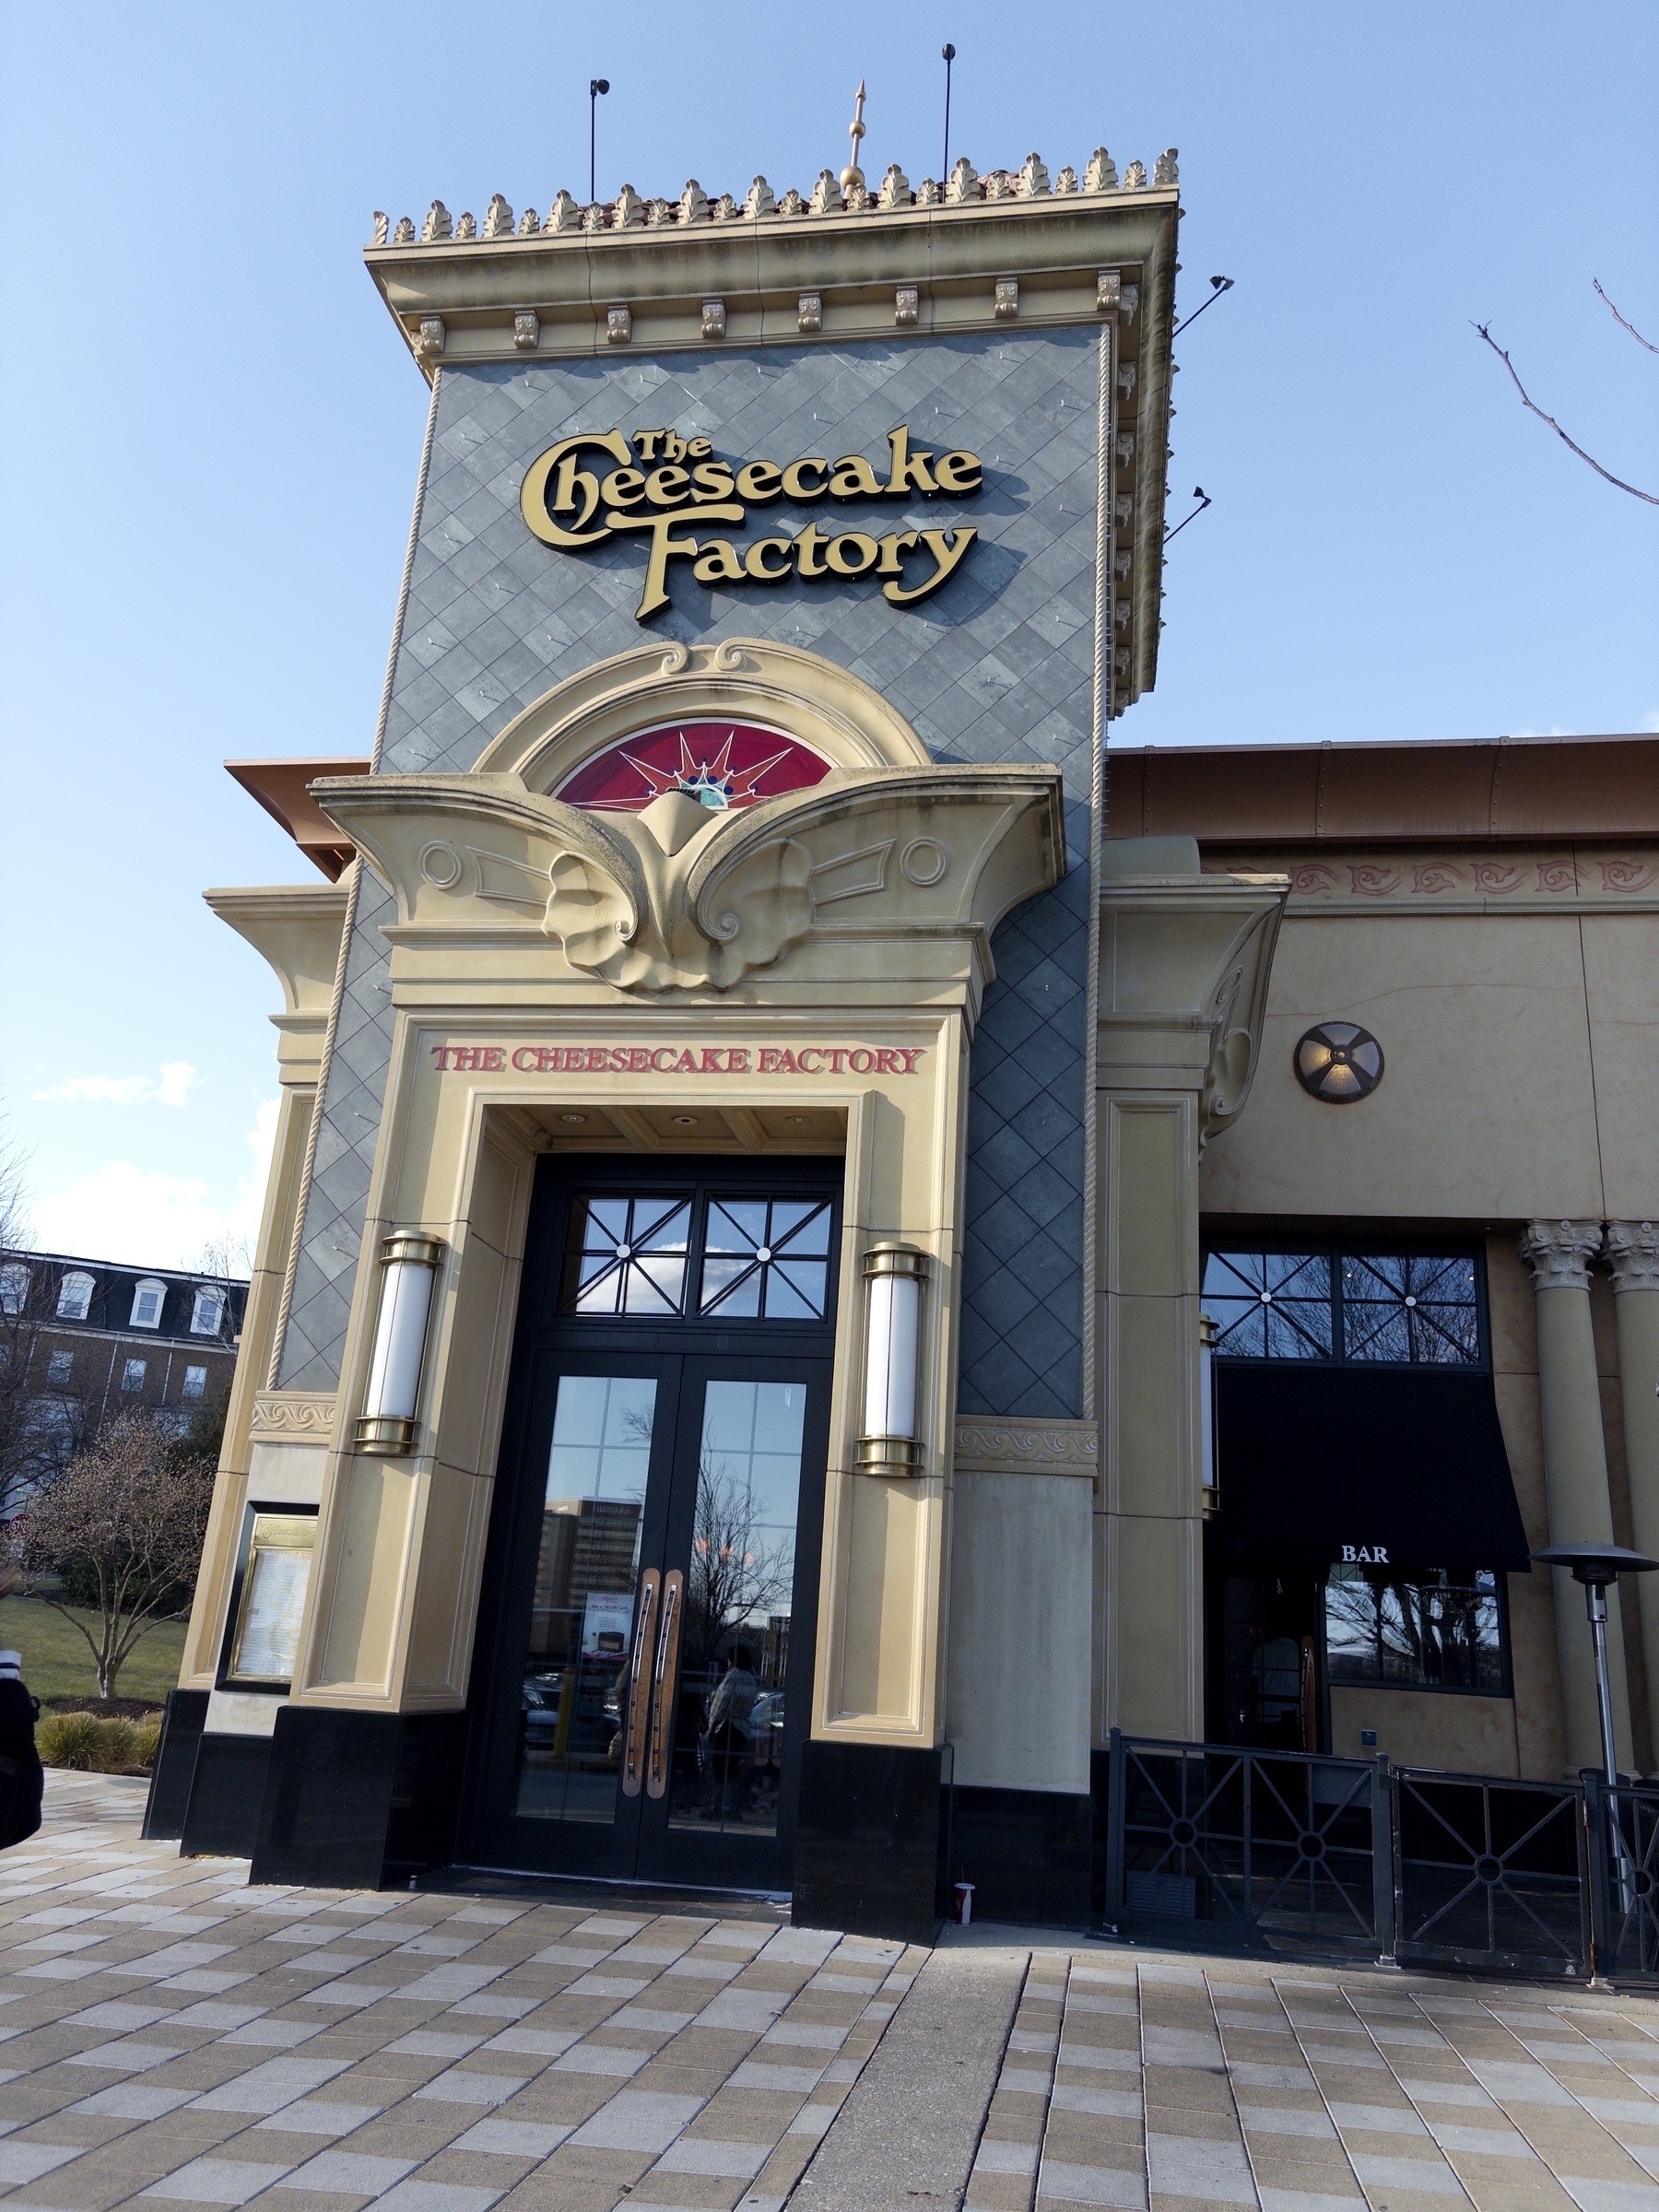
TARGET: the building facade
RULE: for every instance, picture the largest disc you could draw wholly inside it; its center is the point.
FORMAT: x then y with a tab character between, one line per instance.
85	1340
726	1397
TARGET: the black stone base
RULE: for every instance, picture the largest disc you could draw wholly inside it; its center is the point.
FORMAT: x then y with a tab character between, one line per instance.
359	1800
1026	1854
868	1840
175	1763
226	1789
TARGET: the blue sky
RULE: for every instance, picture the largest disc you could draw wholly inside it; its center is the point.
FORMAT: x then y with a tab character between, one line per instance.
212	430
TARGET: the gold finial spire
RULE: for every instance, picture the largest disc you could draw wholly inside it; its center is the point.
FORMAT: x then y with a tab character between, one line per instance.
853	174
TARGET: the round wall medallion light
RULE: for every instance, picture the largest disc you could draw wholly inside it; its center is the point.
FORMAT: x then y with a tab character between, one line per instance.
1338	1063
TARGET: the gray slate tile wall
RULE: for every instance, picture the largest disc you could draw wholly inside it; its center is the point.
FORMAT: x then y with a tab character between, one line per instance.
996	666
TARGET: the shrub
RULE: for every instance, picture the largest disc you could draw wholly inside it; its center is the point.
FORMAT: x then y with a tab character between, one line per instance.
90	1744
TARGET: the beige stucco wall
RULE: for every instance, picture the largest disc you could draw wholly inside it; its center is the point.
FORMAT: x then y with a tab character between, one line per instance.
1521	1050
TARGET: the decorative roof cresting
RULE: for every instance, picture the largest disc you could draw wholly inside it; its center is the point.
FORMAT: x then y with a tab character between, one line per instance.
829	196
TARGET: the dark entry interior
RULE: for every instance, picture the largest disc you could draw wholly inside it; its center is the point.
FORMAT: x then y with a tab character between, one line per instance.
1264	1661
644	1654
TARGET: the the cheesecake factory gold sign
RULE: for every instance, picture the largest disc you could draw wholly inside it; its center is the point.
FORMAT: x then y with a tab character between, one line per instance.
585	491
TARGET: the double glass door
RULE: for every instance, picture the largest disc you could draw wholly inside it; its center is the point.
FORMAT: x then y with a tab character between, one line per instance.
657	1545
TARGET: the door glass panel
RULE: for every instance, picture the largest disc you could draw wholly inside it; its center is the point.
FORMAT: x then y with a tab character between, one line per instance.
739	1583
582	1614
766	1258
627	1255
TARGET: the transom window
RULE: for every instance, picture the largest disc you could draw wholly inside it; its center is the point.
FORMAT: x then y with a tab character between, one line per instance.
1342	1302
667	1254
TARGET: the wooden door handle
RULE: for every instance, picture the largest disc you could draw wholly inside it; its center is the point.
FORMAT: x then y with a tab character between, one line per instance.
639	1702
666	1686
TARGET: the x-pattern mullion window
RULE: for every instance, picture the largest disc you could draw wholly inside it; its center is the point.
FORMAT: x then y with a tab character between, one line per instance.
762	1258
1346	1304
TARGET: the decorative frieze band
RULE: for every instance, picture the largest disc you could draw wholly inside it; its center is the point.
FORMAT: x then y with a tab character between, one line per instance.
1456	880
988	1445
292	1416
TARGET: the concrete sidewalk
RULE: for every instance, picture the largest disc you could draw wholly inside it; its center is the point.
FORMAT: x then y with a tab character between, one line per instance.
169	2034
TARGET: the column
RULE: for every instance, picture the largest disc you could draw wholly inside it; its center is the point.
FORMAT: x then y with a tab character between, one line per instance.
1575	1473
1632	1256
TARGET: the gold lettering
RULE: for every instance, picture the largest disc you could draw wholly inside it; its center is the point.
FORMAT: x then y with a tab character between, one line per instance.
664	548
538	477
853	480
805	548
958	474
909	472
795	485
754	563
674	448
948	547
668	487
713	479
574	489
624	487
648	442
698	449
718	562
851	554
891	547
760	481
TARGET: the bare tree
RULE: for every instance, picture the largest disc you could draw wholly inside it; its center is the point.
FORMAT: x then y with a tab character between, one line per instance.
124	1523
736	1575
1532	407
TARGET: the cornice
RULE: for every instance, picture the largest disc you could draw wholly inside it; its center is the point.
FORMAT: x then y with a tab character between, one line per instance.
1449	879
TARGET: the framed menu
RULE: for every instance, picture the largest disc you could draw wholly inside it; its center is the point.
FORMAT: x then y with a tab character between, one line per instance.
265	1640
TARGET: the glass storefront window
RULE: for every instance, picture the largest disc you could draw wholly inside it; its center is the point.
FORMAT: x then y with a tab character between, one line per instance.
1346	1304
729	1724
1440	1630
581	1613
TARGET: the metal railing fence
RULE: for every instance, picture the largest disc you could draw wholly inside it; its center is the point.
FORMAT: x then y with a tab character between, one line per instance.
1216	1846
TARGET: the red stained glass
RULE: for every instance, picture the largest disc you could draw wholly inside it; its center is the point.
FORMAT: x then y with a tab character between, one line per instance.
719	764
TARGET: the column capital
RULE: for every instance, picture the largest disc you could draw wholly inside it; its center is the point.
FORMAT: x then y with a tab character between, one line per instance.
1632	1254
1559	1253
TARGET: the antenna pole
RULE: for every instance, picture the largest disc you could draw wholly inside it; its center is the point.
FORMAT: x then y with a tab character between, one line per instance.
597	84
947	55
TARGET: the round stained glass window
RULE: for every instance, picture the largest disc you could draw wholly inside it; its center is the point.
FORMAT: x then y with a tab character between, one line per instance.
719	764
1338	1063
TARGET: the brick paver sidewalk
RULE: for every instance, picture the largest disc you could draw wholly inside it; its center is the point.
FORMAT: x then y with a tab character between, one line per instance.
168	2034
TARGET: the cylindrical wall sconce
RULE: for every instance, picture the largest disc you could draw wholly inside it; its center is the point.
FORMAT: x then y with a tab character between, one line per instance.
410	1262
894	1274
1208	1333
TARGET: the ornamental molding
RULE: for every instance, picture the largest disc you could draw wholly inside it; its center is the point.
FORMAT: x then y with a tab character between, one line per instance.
291	1417
1632	1256
1538	881
1559	1253
986	1445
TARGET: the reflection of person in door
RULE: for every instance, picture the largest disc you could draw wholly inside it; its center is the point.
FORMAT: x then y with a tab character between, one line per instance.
726	1723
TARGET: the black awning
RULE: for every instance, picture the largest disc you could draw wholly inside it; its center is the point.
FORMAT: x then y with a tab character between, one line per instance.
1322	1463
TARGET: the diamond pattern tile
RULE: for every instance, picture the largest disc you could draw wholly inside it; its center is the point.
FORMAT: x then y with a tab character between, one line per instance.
997	666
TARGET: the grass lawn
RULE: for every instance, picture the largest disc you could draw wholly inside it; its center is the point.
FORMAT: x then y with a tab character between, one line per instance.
57	1664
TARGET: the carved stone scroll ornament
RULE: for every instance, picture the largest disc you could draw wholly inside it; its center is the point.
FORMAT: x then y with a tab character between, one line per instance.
294	1419
680	896
1559	1253
992	1447
1632	1256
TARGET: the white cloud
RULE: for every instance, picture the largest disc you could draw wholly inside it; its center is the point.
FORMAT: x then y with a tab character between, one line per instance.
145	1219
177	1080
1650	721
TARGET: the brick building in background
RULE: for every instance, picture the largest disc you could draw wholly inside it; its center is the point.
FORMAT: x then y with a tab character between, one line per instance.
93	1339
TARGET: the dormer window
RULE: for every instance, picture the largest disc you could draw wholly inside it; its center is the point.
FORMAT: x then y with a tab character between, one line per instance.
74	1296
208	1313
13	1288
147	1299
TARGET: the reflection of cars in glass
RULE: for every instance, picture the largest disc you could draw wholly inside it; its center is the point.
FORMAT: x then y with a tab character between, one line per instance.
571	1712
765	1730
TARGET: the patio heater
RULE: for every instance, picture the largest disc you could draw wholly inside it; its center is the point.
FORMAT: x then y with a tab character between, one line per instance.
1596	1565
